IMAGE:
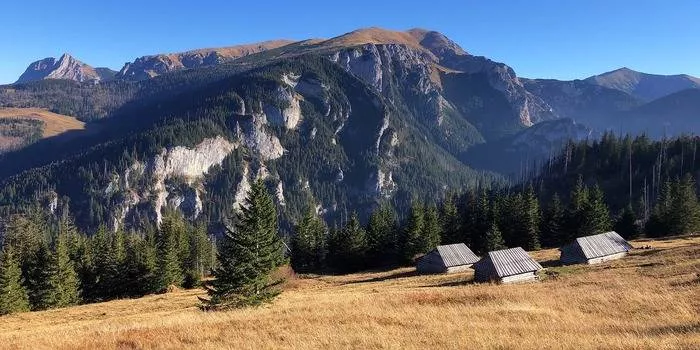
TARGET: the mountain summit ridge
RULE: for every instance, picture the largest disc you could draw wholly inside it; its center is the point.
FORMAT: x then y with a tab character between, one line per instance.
65	67
644	86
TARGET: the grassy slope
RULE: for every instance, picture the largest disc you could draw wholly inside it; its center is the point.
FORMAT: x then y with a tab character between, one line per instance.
649	300
54	124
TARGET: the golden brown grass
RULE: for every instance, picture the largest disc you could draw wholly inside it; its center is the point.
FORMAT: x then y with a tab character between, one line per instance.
649	300
54	124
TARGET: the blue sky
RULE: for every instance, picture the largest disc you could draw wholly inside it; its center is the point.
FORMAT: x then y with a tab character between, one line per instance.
563	39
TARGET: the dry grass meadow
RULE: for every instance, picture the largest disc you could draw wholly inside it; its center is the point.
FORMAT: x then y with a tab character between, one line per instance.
54	124
649	300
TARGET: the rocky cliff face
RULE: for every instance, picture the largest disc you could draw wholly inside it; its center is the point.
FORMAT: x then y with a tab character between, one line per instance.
419	62
150	66
171	178
66	67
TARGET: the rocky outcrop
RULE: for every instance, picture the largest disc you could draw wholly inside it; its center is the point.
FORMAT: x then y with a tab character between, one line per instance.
171	178
252	133
66	67
286	110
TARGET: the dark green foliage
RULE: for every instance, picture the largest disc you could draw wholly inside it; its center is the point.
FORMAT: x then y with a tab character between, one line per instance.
382	240
347	246
309	243
198	262
414	241
492	239
677	210
43	283
552	229
105	272
626	223
532	214
169	251
13	295
248	255
68	282
432	229
451	223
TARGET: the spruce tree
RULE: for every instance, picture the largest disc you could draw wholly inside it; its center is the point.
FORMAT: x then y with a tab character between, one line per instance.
492	239
168	247
13	295
576	218
69	284
597	213
44	284
106	274
382	244
309	243
347	246
195	262
532	218
432	229
553	234
626	223
685	210
451	224
249	254
414	242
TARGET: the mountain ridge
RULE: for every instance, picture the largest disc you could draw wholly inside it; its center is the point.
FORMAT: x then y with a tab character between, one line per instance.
644	86
65	67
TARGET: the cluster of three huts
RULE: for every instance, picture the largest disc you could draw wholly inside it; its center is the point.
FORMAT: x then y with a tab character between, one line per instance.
514	264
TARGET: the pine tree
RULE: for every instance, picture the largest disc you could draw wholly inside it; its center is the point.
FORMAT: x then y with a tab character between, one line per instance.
44	286
347	247
626	223
553	234
451	225
168	247
432	229
685	210
597	213
532	220
13	295
248	256
105	271
576	217
382	244
309	243
69	285
195	262
414	242
492	239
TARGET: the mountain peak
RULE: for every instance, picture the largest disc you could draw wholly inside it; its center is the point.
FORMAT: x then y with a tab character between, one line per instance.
422	39
65	67
644	86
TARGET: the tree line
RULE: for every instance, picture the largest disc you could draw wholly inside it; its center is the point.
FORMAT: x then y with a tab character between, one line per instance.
486	220
47	263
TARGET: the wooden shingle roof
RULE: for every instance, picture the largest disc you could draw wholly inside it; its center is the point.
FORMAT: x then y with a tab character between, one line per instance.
602	244
513	261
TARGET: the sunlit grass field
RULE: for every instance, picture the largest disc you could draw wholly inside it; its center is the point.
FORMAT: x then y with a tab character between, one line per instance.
648	300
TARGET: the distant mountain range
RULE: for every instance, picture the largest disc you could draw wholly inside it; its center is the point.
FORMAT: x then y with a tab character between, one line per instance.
343	123
643	86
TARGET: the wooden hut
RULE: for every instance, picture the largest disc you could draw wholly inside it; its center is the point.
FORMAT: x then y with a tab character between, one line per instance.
447	258
595	249
507	266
